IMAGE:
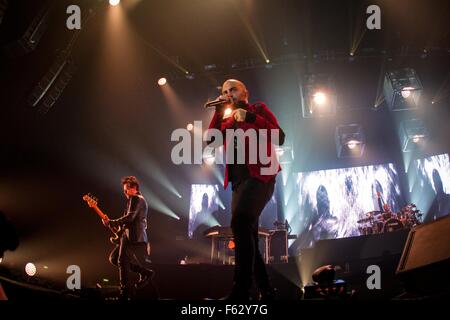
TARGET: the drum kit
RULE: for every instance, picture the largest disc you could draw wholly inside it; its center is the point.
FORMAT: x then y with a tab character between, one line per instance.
379	222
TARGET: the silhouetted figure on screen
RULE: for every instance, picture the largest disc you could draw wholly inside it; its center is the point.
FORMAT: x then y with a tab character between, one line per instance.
202	219
323	226
377	196
441	203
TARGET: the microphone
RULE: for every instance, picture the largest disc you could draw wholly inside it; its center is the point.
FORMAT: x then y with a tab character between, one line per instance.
214	103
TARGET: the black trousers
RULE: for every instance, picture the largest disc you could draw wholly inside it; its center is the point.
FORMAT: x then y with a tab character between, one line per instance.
248	201
129	256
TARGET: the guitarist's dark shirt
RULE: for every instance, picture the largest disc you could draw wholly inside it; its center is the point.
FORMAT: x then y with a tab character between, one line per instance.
134	221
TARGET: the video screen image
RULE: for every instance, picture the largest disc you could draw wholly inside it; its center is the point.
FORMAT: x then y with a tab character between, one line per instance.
431	188
331	202
210	205
203	209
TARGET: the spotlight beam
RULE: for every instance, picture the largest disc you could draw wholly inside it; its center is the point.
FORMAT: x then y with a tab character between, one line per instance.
157	204
163	55
151	170
357	33
220	203
253	36
443	91
379	98
355	45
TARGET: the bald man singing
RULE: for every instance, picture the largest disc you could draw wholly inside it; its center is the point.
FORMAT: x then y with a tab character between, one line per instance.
252	186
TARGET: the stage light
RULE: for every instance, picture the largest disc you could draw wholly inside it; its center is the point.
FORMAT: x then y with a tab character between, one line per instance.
209	67
45	267
412	133
279	151
318	96
352	144
45	94
406	92
190	127
350	141
114	2
227	112
402	89
162	81
209	159
267	61
30	269
31	37
285	154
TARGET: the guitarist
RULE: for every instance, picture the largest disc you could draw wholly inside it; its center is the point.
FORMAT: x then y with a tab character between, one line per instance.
131	252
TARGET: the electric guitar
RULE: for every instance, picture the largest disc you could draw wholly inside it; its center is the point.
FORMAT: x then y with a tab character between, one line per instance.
93	203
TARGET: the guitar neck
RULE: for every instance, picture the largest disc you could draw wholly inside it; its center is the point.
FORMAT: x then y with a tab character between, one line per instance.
100	213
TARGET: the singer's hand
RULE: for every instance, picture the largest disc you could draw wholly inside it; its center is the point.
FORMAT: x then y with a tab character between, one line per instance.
226	98
239	114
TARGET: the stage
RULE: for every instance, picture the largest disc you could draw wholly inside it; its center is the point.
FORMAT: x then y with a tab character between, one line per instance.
353	259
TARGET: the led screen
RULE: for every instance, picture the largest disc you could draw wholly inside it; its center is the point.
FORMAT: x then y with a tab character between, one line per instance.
331	202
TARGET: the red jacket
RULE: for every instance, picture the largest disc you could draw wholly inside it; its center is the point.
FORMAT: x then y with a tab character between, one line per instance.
264	119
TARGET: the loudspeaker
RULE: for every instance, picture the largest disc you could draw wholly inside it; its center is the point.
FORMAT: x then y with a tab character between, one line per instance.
425	262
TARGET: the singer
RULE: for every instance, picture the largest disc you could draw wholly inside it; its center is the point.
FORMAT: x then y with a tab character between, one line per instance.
251	190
